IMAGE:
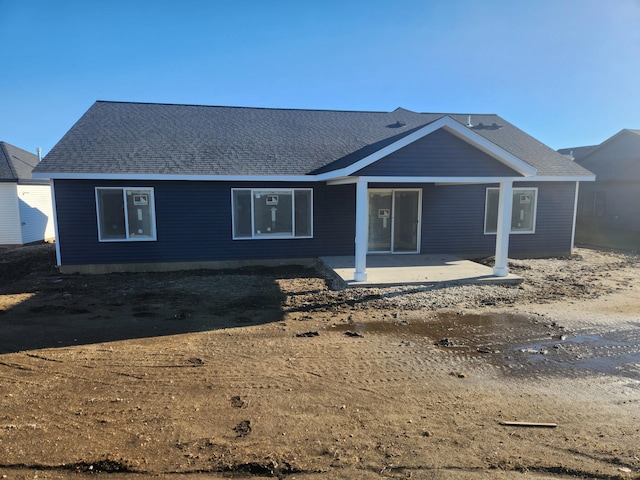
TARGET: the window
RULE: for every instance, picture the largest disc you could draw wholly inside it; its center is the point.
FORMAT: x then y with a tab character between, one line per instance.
523	214
282	213
593	204
125	214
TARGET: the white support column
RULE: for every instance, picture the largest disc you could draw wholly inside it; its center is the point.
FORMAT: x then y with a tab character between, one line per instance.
362	230
505	206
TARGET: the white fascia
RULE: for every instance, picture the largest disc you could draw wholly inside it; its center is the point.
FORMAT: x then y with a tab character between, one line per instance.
193	178
456	180
449	124
586	178
438	180
337	180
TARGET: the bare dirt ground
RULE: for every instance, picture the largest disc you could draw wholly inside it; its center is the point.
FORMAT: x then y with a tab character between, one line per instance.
262	373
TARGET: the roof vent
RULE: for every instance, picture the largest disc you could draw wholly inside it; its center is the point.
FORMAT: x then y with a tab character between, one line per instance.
398	124
469	124
482	126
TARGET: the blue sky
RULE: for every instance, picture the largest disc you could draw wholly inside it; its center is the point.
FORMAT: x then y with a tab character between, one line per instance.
565	71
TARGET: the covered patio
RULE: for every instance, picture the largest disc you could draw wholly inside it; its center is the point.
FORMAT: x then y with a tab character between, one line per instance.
394	270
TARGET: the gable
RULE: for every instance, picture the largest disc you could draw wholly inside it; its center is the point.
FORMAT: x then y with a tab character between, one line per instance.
438	154
15	164
617	158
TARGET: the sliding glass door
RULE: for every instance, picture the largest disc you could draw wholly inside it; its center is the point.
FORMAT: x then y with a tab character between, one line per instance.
394	221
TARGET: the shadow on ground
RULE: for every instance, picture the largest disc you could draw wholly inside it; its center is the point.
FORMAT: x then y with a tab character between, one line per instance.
40	308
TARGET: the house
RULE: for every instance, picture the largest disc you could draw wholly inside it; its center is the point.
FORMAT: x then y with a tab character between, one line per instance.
158	186
609	208
26	215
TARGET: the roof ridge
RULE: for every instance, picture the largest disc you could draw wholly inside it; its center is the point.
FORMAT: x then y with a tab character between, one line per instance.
5	154
243	107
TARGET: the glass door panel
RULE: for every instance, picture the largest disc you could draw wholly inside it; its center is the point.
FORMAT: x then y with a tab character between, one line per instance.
380	205
405	221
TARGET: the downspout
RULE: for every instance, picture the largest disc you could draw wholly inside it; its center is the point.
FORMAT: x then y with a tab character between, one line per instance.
505	206
362	214
55	223
575	217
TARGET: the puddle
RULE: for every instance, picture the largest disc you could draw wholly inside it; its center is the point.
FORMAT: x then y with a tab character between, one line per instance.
468	332
515	341
585	352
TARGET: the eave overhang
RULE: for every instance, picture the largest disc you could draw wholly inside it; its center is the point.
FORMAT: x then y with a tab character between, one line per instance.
450	125
456	180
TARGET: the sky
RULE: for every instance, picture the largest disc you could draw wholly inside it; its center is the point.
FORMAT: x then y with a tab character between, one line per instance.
565	71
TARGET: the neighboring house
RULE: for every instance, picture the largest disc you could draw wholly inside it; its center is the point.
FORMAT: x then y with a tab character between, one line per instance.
609	208
26	215
151	186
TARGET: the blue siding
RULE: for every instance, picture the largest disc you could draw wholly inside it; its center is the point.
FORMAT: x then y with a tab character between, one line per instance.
439	154
453	221
193	221
620	210
616	164
554	222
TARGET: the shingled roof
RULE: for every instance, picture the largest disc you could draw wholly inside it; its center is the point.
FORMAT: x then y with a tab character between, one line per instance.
120	138
16	165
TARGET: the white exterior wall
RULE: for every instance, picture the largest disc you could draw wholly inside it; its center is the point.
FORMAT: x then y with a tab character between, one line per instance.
36	212
10	230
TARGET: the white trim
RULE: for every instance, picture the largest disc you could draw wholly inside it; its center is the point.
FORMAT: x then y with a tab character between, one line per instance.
456	180
337	180
408	179
560	178
152	214
450	125
55	223
190	178
511	231
253	236
575	216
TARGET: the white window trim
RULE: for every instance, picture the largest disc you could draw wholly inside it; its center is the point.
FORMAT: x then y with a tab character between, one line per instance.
515	190
293	216
152	211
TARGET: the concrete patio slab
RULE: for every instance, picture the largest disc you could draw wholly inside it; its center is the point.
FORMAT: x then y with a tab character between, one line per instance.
394	270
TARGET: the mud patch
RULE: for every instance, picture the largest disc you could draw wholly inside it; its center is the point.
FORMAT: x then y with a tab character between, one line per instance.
518	342
460	330
243	428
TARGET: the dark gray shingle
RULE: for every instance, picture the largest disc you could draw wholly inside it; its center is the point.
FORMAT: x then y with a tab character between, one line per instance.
16	164
143	138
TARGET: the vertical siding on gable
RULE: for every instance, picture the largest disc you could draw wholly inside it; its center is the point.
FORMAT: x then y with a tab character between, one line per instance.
193	221
36	212
10	231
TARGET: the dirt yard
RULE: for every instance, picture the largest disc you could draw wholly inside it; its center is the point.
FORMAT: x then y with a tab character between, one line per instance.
263	373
